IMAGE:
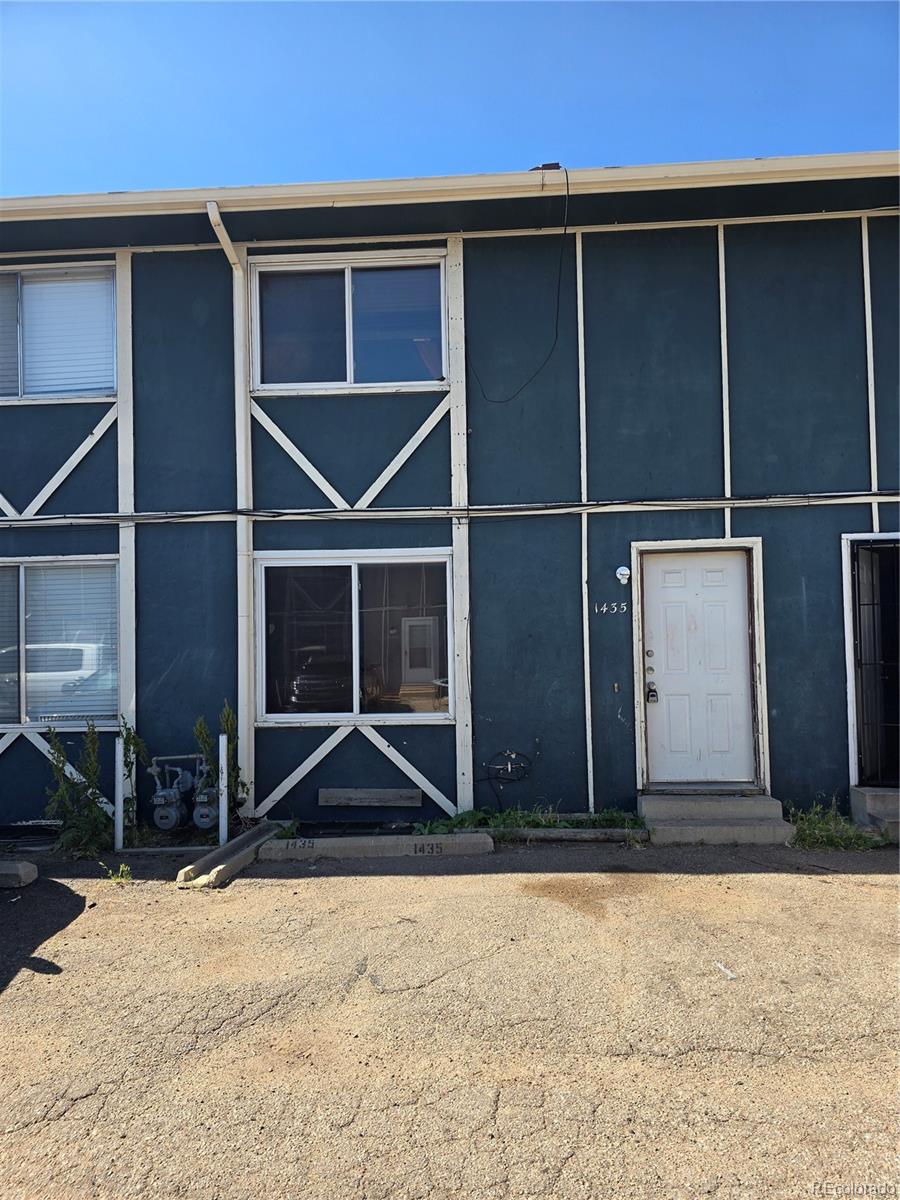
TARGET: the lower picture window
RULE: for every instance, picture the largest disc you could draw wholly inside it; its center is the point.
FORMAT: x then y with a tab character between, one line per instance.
356	638
58	643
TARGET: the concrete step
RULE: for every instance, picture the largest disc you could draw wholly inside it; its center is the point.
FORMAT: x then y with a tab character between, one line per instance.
672	807
877	808
724	832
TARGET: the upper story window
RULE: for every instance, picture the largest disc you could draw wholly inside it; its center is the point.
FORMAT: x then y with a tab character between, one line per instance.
368	322
57	332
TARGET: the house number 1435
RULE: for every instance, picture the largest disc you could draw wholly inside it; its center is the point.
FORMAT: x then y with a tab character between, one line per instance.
620	606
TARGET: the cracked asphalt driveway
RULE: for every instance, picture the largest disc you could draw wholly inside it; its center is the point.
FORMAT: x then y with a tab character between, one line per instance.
569	1022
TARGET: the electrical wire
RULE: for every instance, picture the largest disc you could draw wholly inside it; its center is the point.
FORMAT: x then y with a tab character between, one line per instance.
559	267
480	513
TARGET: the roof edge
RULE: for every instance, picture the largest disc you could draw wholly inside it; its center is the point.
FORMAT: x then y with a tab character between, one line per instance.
508	185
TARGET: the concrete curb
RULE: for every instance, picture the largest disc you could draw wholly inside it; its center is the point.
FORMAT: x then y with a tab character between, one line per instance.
17	872
221	864
377	846
524	834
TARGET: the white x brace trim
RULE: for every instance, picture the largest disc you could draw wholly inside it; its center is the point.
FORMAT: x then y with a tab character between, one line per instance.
322	751
64	471
296	454
36	740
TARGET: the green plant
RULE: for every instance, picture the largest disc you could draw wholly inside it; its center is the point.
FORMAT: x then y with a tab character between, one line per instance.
529	818
238	788
821	828
286	832
134	752
75	799
122	875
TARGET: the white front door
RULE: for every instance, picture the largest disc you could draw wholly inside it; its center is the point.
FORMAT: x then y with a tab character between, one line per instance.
418	650
696	669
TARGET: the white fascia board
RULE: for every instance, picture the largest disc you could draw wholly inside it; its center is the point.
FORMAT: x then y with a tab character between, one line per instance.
509	185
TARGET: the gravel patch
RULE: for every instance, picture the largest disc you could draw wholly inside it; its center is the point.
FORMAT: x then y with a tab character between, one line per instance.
549	1022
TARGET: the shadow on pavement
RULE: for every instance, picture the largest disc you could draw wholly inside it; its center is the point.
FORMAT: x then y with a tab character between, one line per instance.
516	859
28	917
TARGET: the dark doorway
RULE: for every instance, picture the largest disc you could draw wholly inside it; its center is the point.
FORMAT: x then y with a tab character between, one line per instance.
876	634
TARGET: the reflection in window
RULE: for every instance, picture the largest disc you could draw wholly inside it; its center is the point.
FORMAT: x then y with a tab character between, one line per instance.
9	645
350	325
403	638
303	326
397	324
309	640
71	635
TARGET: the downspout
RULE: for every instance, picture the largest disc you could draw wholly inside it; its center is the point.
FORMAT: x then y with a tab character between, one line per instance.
244	494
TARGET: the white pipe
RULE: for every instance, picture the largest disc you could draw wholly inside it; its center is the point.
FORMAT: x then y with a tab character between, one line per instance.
223	788
119	799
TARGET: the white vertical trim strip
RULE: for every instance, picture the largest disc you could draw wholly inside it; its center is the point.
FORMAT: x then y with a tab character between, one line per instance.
408	769
312	760
278	435
71	463
430	422
870	369
246	697
459	486
726	396
125	458
585	601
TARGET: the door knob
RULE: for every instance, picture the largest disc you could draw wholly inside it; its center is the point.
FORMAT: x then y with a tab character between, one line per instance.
652	696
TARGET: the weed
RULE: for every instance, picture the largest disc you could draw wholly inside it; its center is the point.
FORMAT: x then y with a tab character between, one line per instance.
821	828
122	875
286	832
134	752
238	788
529	818
75	799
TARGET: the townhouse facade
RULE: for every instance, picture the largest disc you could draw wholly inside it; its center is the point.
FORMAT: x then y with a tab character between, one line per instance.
545	489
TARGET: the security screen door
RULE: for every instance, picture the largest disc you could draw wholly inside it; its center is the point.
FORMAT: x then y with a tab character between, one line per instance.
696	667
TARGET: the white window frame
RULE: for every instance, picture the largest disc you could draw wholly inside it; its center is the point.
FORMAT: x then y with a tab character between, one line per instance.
65	397
281	263
353	559
67	560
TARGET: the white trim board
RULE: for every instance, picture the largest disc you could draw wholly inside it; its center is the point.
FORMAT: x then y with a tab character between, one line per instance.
753	546
429	189
849	664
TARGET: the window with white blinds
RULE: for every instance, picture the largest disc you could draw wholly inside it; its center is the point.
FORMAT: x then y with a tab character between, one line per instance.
57	332
68	629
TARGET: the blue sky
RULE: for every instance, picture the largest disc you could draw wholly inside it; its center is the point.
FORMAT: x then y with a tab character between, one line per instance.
97	97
